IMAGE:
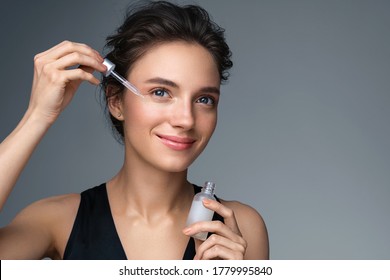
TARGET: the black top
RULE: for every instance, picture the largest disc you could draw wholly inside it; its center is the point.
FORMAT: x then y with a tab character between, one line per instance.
94	236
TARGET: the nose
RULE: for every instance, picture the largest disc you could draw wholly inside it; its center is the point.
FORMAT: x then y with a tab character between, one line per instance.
182	115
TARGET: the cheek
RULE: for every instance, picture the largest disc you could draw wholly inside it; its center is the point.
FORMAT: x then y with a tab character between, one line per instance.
139	112
207	122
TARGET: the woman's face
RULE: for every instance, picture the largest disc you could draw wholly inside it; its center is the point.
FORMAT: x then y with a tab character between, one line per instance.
173	123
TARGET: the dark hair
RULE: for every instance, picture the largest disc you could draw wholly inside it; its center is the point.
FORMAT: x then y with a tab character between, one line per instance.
155	23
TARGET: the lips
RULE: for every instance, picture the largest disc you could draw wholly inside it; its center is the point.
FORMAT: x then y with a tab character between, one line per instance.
176	143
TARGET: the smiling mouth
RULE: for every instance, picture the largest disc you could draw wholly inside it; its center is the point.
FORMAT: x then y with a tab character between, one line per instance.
176	143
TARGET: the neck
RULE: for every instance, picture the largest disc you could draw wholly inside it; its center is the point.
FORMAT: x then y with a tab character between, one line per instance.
143	190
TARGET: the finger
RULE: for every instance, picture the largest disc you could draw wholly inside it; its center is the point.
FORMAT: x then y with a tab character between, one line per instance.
88	65
225	212
76	58
220	252
50	50
217	240
70	78
213	226
65	48
78	75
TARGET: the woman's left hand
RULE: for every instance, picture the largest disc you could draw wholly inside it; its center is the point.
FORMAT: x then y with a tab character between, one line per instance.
226	242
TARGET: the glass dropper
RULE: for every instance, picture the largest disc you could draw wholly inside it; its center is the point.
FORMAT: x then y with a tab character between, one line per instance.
110	71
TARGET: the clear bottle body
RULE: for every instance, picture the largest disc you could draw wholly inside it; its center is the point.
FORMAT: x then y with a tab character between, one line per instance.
198	211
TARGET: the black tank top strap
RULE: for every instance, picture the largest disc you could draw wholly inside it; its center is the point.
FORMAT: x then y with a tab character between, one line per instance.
94	236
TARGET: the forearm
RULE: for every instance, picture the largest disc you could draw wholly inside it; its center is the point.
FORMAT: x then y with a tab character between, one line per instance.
16	150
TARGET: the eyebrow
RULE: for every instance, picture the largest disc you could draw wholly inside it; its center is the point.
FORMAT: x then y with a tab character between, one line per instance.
165	82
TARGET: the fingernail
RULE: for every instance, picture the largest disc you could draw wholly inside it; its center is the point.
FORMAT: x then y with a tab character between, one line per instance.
186	230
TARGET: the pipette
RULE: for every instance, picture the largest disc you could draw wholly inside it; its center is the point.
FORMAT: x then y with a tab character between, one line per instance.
110	71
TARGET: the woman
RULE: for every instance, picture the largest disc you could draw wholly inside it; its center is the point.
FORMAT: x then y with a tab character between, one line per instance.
177	57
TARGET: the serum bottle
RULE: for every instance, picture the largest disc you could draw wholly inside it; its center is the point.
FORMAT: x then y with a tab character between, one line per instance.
200	213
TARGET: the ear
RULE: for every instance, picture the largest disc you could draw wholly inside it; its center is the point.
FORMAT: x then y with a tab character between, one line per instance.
114	103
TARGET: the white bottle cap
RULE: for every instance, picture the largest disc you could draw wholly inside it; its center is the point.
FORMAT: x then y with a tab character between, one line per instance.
110	67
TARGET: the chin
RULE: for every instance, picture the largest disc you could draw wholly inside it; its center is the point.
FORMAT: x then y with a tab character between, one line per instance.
174	165
174	168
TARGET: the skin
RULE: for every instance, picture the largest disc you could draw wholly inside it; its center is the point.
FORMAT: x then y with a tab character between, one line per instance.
164	133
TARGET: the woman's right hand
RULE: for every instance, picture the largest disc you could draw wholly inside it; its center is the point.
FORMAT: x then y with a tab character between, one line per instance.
58	72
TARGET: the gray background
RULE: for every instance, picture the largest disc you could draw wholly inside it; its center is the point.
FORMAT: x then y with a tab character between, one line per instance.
303	133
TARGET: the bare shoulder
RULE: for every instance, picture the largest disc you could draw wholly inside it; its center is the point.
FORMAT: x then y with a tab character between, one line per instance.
66	202
252	227
40	229
50	209
57	215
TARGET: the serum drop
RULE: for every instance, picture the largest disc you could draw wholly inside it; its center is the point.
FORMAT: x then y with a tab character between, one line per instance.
200	213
